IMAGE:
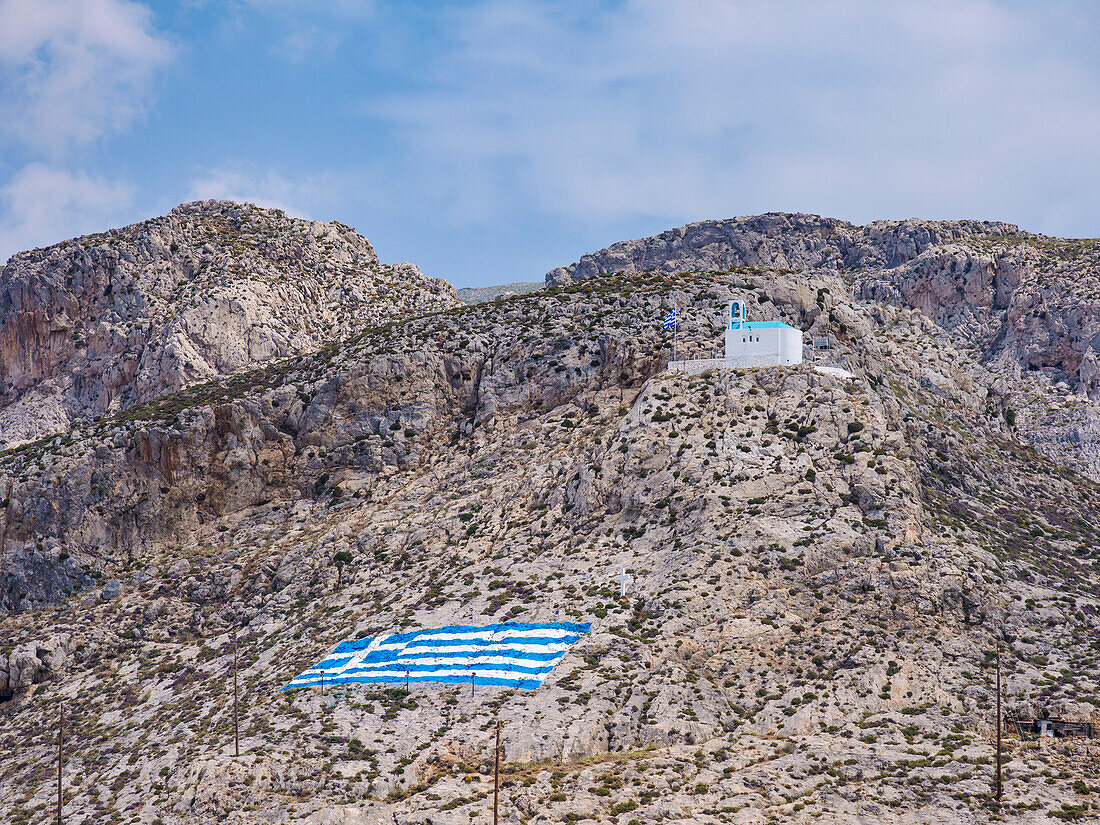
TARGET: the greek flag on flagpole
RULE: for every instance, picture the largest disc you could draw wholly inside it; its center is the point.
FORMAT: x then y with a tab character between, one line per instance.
511	655
670	319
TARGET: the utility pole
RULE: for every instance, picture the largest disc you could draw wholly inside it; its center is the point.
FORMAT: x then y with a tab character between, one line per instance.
496	774
997	785
60	755
236	727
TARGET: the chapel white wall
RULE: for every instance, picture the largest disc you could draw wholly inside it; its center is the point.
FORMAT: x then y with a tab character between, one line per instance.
776	346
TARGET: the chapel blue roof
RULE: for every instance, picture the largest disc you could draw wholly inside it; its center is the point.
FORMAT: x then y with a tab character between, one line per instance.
764	325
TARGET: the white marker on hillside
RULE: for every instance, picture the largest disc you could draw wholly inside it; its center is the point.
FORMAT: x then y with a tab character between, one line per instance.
622	579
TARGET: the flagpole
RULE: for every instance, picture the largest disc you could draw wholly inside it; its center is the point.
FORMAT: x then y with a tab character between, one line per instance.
496	773
236	727
60	755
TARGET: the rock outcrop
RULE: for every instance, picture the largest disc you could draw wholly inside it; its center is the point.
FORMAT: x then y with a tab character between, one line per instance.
821	570
1029	300
777	240
30	664
477	294
1028	304
103	322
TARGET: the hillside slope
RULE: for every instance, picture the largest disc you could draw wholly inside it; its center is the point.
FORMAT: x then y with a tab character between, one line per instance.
478	294
822	570
1027	305
102	322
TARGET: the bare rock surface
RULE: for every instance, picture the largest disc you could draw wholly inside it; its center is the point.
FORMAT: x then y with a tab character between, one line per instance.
103	322
477	294
1028	305
777	240
822	570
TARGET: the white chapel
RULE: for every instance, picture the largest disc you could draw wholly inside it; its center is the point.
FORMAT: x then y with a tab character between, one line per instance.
760	343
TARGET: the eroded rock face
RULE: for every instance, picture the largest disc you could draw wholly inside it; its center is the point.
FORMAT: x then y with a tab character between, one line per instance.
30	664
1028	305
1030	301
776	240
103	322
821	567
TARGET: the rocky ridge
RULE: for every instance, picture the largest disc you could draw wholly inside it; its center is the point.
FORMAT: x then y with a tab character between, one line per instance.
102	322
1026	305
822	570
777	240
477	294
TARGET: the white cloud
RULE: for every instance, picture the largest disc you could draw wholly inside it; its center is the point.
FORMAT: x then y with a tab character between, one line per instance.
42	204
248	183
73	70
704	108
336	9
305	42
305	29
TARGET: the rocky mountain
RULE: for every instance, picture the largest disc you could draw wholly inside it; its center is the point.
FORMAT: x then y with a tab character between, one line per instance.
100	323
822	571
776	240
1026	305
477	294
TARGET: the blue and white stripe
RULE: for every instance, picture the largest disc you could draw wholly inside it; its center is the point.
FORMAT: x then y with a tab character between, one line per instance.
510	655
670	319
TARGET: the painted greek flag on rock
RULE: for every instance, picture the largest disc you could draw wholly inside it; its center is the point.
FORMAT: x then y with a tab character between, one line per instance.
670	319
511	655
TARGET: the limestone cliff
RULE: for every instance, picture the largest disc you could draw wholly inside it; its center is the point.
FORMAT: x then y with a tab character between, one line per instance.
103	322
822	569
1027	304
776	240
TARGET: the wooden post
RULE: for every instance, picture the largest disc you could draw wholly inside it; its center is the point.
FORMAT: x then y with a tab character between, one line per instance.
236	727
60	755
496	774
997	785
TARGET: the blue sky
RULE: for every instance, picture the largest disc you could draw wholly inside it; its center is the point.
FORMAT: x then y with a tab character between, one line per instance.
490	141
